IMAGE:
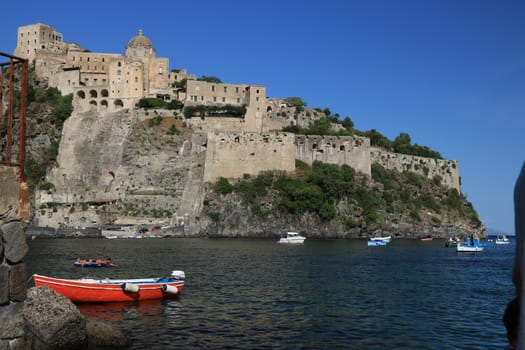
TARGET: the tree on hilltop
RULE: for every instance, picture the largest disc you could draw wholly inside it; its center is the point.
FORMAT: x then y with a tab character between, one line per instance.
210	79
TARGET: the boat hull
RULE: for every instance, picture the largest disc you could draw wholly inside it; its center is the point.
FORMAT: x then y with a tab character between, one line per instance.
93	264
91	290
291	237
465	248
292	240
381	239
376	243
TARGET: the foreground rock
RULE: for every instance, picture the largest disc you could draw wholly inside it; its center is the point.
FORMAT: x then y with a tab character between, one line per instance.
102	335
54	322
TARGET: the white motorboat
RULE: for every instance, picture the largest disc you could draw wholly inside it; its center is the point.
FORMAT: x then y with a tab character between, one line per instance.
290	237
376	243
381	239
469	248
502	240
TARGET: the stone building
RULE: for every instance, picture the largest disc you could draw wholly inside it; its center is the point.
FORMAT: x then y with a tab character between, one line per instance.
109	81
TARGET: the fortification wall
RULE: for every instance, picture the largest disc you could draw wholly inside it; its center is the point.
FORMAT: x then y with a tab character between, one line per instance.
211	124
446	170
232	155
350	150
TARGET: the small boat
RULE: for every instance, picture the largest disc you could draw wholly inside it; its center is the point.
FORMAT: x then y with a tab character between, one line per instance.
376	243
291	237
382	239
471	245
94	263
502	240
468	248
426	239
89	290
452	242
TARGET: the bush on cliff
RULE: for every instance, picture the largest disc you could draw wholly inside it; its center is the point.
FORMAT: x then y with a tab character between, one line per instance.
330	192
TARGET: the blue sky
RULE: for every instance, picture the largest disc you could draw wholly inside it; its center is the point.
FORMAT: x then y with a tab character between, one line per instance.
450	73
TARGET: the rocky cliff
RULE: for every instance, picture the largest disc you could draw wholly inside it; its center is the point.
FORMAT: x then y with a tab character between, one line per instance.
147	167
125	167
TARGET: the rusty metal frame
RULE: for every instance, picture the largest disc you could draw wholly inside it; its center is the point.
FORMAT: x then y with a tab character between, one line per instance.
11	129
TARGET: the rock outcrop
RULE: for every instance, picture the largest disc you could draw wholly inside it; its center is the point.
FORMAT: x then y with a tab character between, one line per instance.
52	321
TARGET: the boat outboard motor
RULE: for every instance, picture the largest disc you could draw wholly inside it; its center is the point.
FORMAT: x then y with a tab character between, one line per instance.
180	275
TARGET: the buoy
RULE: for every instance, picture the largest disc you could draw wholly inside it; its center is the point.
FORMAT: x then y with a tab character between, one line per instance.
130	287
170	289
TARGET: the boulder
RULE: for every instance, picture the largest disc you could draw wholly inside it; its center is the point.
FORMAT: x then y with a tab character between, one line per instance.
15	245
17	282
1	245
17	344
11	321
53	321
102	334
4	284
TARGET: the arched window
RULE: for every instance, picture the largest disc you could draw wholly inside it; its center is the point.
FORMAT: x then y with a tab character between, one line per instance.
118	103
93	94
81	94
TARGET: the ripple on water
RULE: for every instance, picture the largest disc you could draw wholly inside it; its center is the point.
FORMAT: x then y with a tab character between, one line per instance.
256	294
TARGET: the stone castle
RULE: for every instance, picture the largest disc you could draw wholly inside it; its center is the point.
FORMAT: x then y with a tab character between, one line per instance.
107	84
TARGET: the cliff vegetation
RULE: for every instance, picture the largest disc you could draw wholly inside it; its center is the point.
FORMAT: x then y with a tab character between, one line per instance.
328	200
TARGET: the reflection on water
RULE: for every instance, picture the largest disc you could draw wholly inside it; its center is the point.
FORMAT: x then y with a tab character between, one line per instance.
145	309
253	294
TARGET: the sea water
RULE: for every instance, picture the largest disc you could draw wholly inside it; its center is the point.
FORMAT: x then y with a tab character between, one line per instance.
323	294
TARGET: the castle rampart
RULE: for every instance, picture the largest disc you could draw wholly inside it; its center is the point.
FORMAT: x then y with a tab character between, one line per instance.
231	155
350	150
445	170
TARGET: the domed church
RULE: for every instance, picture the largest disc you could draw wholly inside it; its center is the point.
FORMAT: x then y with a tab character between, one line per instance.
97	80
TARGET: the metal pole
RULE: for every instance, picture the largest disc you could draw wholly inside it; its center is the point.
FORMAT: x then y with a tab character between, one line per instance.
10	107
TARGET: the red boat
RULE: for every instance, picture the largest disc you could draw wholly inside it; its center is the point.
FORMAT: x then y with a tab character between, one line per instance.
89	290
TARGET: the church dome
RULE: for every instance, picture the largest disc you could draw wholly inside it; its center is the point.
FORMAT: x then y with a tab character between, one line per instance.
140	41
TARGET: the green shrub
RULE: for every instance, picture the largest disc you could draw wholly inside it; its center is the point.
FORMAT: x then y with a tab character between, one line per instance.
223	186
47	186
214	216
173	130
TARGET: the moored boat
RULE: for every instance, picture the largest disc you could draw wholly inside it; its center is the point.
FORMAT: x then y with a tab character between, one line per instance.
94	263
502	240
111	290
376	243
382	239
426	239
452	242
468	248
291	237
471	245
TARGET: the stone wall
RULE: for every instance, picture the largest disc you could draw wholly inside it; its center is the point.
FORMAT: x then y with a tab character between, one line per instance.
232	155
13	248
446	170
350	150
